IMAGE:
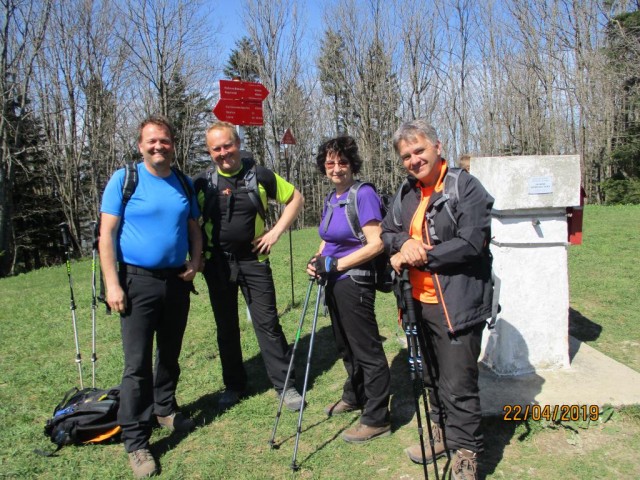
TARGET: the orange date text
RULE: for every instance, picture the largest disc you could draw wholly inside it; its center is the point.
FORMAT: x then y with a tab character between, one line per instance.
550	413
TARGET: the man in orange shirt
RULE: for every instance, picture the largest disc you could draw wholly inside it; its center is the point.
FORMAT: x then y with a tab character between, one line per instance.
447	253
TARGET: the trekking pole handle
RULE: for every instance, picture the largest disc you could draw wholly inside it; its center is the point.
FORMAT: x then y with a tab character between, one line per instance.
406	291
94	234
66	239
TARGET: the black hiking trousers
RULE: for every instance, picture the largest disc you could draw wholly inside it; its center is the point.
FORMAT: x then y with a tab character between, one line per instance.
454	361
224	275
156	306
353	320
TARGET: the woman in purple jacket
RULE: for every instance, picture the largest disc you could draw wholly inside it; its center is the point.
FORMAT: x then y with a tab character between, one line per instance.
340	261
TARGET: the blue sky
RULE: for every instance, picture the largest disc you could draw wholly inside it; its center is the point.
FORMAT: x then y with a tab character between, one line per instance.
228	15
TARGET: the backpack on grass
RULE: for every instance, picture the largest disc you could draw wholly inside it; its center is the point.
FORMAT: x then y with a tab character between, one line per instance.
84	416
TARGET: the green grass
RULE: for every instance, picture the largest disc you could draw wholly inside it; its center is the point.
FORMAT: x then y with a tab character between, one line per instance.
604	274
37	366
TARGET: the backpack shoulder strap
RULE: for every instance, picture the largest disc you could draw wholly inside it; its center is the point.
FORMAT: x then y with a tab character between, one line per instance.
396	203
209	185
352	210
212	177
325	204
451	192
130	182
327	210
251	184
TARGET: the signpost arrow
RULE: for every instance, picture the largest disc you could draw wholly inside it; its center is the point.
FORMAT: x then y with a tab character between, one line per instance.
247	91
239	112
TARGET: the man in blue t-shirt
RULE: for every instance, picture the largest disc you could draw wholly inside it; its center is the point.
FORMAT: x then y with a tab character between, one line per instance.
149	236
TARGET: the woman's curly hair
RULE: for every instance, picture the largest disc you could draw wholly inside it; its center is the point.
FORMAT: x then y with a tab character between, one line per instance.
345	146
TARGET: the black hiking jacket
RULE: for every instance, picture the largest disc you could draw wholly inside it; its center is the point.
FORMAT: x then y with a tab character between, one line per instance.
460	261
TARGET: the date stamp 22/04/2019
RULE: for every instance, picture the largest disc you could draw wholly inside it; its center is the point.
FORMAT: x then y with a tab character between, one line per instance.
552	413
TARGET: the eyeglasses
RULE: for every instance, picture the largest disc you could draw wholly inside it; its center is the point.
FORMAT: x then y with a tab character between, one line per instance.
226	146
332	164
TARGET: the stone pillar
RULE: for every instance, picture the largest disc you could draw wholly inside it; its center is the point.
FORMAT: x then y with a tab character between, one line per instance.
529	246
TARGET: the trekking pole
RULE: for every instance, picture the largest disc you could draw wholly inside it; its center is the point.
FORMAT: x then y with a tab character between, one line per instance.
426	364
66	242
409	323
294	464
290	369
102	293
94	300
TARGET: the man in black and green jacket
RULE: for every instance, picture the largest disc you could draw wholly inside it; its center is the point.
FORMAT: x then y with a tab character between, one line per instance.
232	195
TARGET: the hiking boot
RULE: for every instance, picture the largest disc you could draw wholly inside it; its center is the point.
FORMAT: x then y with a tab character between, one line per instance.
228	399
292	399
142	463
340	407
363	433
176	422
465	465
415	452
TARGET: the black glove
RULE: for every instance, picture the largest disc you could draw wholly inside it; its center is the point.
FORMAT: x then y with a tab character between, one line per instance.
325	265
312	261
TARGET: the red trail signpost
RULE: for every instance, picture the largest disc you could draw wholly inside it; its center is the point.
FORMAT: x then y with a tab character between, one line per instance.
241	102
239	112
247	91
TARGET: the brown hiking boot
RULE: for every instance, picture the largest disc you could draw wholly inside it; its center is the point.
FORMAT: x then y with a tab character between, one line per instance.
176	422
142	463
363	433
415	452
340	407
465	465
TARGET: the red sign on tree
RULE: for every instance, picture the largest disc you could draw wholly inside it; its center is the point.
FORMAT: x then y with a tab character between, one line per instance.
287	138
241	102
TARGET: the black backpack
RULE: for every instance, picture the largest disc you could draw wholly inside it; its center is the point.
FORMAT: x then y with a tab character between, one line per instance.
448	200
382	272
131	182
84	416
250	185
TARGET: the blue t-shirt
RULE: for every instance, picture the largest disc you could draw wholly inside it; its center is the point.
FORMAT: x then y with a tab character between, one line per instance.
338	237
153	227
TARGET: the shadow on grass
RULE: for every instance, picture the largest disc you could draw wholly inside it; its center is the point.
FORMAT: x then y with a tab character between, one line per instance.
324	355
327	442
498	433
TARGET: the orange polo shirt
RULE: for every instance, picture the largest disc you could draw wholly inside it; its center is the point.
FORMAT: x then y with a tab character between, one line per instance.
422	281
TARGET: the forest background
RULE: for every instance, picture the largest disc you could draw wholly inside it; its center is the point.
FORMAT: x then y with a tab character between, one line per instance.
508	77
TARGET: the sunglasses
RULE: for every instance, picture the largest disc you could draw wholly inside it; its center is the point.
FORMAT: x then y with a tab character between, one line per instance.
332	164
